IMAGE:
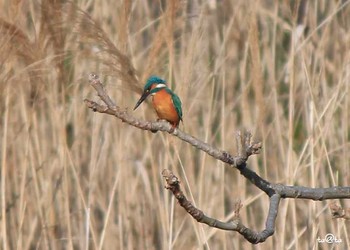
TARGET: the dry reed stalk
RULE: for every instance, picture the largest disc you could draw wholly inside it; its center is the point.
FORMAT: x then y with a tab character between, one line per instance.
61	161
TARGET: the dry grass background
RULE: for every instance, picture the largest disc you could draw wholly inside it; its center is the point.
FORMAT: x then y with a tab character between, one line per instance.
73	179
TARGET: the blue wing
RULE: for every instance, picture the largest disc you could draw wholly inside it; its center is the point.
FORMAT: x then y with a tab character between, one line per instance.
177	103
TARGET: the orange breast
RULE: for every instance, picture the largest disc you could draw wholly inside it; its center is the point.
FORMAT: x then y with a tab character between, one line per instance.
164	107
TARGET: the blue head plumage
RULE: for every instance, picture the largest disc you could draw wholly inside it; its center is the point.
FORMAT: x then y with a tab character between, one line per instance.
153	80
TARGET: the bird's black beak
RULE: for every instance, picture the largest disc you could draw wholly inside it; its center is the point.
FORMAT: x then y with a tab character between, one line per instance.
142	98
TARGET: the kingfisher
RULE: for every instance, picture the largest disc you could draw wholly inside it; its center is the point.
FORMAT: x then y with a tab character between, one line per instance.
165	102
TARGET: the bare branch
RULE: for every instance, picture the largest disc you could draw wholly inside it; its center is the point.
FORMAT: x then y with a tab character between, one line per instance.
254	178
111	109
246	148
317	194
101	91
173	184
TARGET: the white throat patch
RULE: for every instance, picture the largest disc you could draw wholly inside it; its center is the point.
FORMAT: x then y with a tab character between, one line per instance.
160	85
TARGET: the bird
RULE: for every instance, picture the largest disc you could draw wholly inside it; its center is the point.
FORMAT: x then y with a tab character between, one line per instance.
165	102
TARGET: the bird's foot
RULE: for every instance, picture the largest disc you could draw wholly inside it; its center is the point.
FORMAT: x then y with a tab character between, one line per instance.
173	126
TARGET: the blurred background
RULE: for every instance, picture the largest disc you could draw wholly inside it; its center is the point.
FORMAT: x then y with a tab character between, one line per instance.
75	179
